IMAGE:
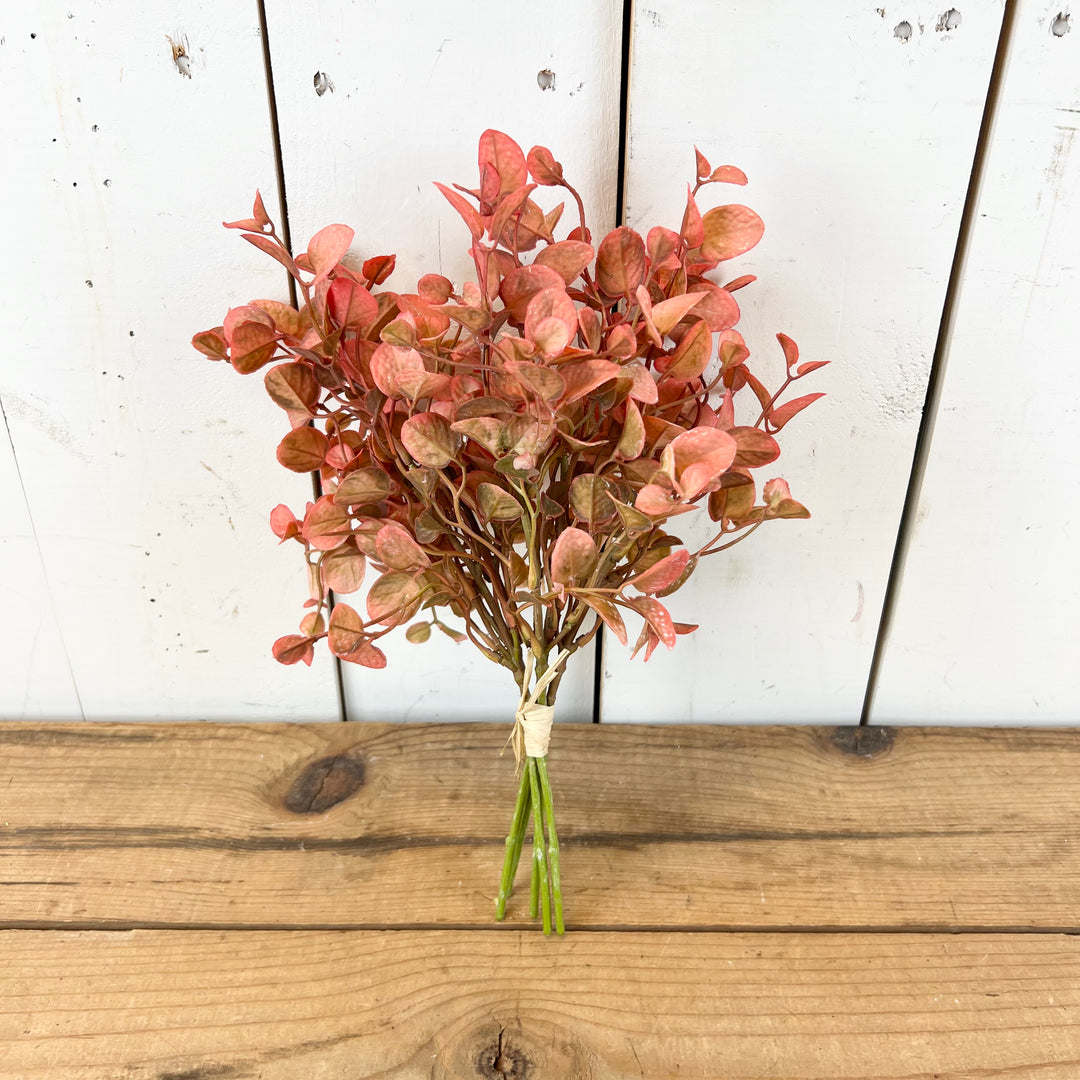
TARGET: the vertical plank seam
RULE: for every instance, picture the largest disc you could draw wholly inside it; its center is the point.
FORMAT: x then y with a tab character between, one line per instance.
935	382
286	235
41	559
620	219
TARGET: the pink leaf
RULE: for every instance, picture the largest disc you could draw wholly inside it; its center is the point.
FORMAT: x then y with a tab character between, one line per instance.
466	210
505	157
428	438
620	262
662	574
573	557
343	569
728	174
779	417
327	247
395	547
607	611
293	648
393	598
729	231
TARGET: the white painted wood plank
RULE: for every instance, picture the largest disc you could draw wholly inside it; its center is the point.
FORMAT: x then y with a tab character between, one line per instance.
36	682
414	85
149	472
988	617
858	145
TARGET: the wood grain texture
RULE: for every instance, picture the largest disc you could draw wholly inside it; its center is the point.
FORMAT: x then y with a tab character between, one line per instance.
858	146
988	613
149	473
413	89
159	1005
396	825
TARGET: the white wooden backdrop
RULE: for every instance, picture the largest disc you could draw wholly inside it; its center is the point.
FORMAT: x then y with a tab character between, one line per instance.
138	575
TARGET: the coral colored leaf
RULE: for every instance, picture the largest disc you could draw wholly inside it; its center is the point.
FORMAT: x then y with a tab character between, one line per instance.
656	615
541	380
643	385
703	166
692	231
505	157
485	430
293	387
293	648
212	343
274	249
350	304
519	287
283	522
251	345
543	167
434	289
729	231
346	631
258	210
755	448
717	306
654	501
662	574
589	324
789	508
551	303
326	525
343	569
428	438
584	376
728	174
551	337
620	262
497	504
779	417
632	439
378	268
303	449
692	356
668	313
697	457
513	204
607	611
395	547
474	319
393	598
811	365
327	247
663	248
389	363
739	283
573	557
467	211
567	258
791	350
621	342
363	488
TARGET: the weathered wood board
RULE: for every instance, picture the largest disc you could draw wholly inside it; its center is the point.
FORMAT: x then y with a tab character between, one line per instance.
405	97
858	142
161	1005
372	825
988	615
148	472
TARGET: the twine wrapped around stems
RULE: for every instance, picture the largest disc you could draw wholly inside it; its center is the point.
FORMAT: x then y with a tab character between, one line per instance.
532	721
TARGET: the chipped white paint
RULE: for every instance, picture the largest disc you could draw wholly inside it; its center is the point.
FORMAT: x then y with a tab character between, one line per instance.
988	619
148	585
413	92
858	146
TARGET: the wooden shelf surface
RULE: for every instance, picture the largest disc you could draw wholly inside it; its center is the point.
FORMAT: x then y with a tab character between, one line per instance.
205	901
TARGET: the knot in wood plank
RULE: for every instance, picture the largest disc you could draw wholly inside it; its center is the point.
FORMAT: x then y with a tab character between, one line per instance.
864	741
325	783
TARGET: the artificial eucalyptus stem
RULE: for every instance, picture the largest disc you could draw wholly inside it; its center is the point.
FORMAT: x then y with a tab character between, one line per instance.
540	868
514	841
548	808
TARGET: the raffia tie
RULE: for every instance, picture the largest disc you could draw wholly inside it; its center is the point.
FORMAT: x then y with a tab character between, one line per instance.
532	722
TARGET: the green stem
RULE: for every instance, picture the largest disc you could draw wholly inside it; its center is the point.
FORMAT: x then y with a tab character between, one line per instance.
514	841
539	859
553	841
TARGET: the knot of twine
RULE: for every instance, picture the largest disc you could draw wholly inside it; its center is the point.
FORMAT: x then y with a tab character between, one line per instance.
532	722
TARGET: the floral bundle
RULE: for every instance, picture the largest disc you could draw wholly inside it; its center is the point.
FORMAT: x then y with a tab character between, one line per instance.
510	452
